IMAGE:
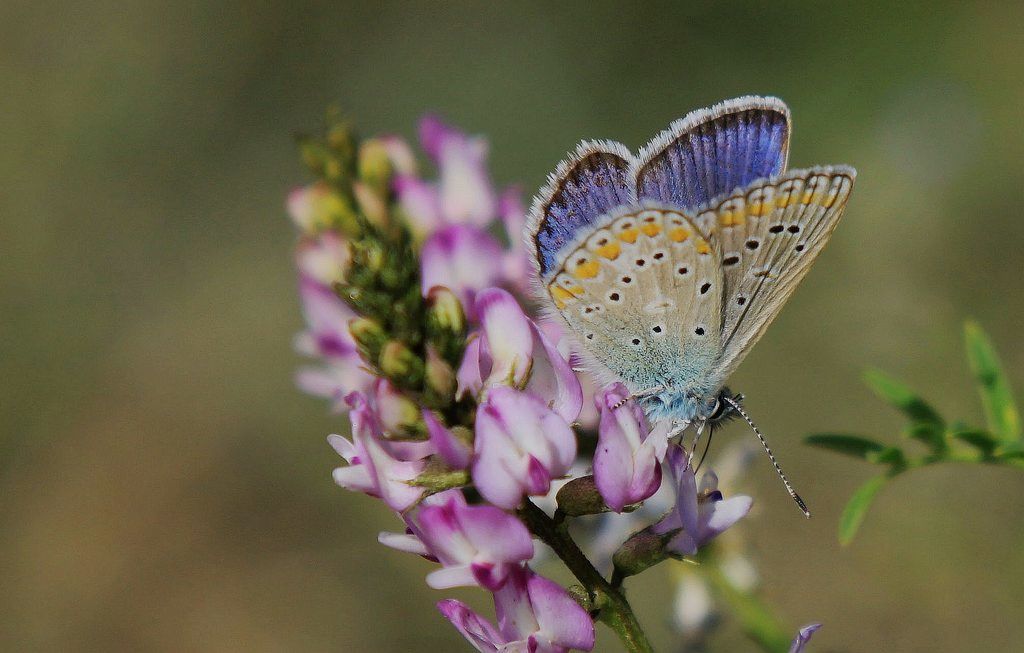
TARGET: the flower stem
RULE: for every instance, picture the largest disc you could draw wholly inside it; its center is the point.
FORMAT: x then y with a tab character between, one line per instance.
614	609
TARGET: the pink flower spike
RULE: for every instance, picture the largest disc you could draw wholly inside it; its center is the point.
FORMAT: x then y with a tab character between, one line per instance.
521	444
476	544
464	259
454	452
627	462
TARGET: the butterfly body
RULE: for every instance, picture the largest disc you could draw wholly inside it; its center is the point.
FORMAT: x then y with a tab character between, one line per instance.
669	265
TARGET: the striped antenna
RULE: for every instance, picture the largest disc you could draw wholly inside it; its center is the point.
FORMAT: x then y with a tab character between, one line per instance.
785	481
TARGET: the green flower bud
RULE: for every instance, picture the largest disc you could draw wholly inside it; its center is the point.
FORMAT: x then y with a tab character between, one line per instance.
401	365
369	335
374	167
580	497
642	551
371	204
440	379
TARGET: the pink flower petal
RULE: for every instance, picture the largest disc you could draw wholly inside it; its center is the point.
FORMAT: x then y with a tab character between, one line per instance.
562	621
478	631
509	335
454	452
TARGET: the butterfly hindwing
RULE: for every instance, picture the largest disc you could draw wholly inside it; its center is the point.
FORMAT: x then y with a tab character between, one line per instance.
643	295
713	151
587	186
769	234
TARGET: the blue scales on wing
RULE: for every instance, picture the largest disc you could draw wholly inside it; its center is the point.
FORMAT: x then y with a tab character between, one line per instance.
590	184
711	152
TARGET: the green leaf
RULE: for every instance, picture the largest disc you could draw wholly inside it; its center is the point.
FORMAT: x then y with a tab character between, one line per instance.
857	508
850	445
980	440
931	435
892	456
996	396
899	395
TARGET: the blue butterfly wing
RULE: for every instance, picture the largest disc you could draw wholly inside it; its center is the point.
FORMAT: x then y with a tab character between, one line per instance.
711	152
590	184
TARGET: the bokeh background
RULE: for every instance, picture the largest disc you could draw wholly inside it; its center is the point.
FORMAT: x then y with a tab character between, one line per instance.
163	485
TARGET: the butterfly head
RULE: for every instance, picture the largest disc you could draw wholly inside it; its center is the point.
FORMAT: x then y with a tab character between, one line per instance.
720	408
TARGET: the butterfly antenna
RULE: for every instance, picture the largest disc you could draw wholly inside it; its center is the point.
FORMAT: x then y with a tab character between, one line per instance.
785	481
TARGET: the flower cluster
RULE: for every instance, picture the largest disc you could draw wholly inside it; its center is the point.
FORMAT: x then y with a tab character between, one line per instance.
464	410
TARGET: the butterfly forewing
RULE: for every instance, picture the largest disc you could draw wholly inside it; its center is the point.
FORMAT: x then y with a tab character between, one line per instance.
769	234
643	295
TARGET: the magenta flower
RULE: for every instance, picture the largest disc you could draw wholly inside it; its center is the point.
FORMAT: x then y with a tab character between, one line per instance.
478	545
702	515
521	445
802	637
455	453
463	258
534	615
510	350
378	467
627	462
465	190
327	338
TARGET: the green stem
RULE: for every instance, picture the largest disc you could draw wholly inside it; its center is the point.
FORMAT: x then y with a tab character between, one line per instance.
614	609
755	617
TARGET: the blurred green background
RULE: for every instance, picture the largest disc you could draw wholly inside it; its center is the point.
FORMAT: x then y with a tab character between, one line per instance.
164	487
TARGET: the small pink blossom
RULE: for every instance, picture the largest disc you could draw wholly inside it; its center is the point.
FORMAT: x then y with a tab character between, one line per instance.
521	445
463	258
627	462
534	615
466	192
510	350
702	515
477	545
376	466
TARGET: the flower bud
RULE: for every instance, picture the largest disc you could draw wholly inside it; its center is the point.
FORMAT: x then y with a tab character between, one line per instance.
369	335
446	324
374	166
401	365
371	203
440	378
580	496
642	551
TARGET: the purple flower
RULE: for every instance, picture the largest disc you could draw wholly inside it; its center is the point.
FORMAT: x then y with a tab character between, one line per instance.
521	445
454	452
466	193
510	350
327	339
305	206
627	462
478	545
803	637
534	615
702	515
323	258
378	467
463	258
419	202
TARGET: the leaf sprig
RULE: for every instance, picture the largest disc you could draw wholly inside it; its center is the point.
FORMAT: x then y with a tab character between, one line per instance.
999	443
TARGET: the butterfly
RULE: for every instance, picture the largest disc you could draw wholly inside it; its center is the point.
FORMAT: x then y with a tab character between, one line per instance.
668	266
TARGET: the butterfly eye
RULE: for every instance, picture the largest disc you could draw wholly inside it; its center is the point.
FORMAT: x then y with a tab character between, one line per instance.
717	409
